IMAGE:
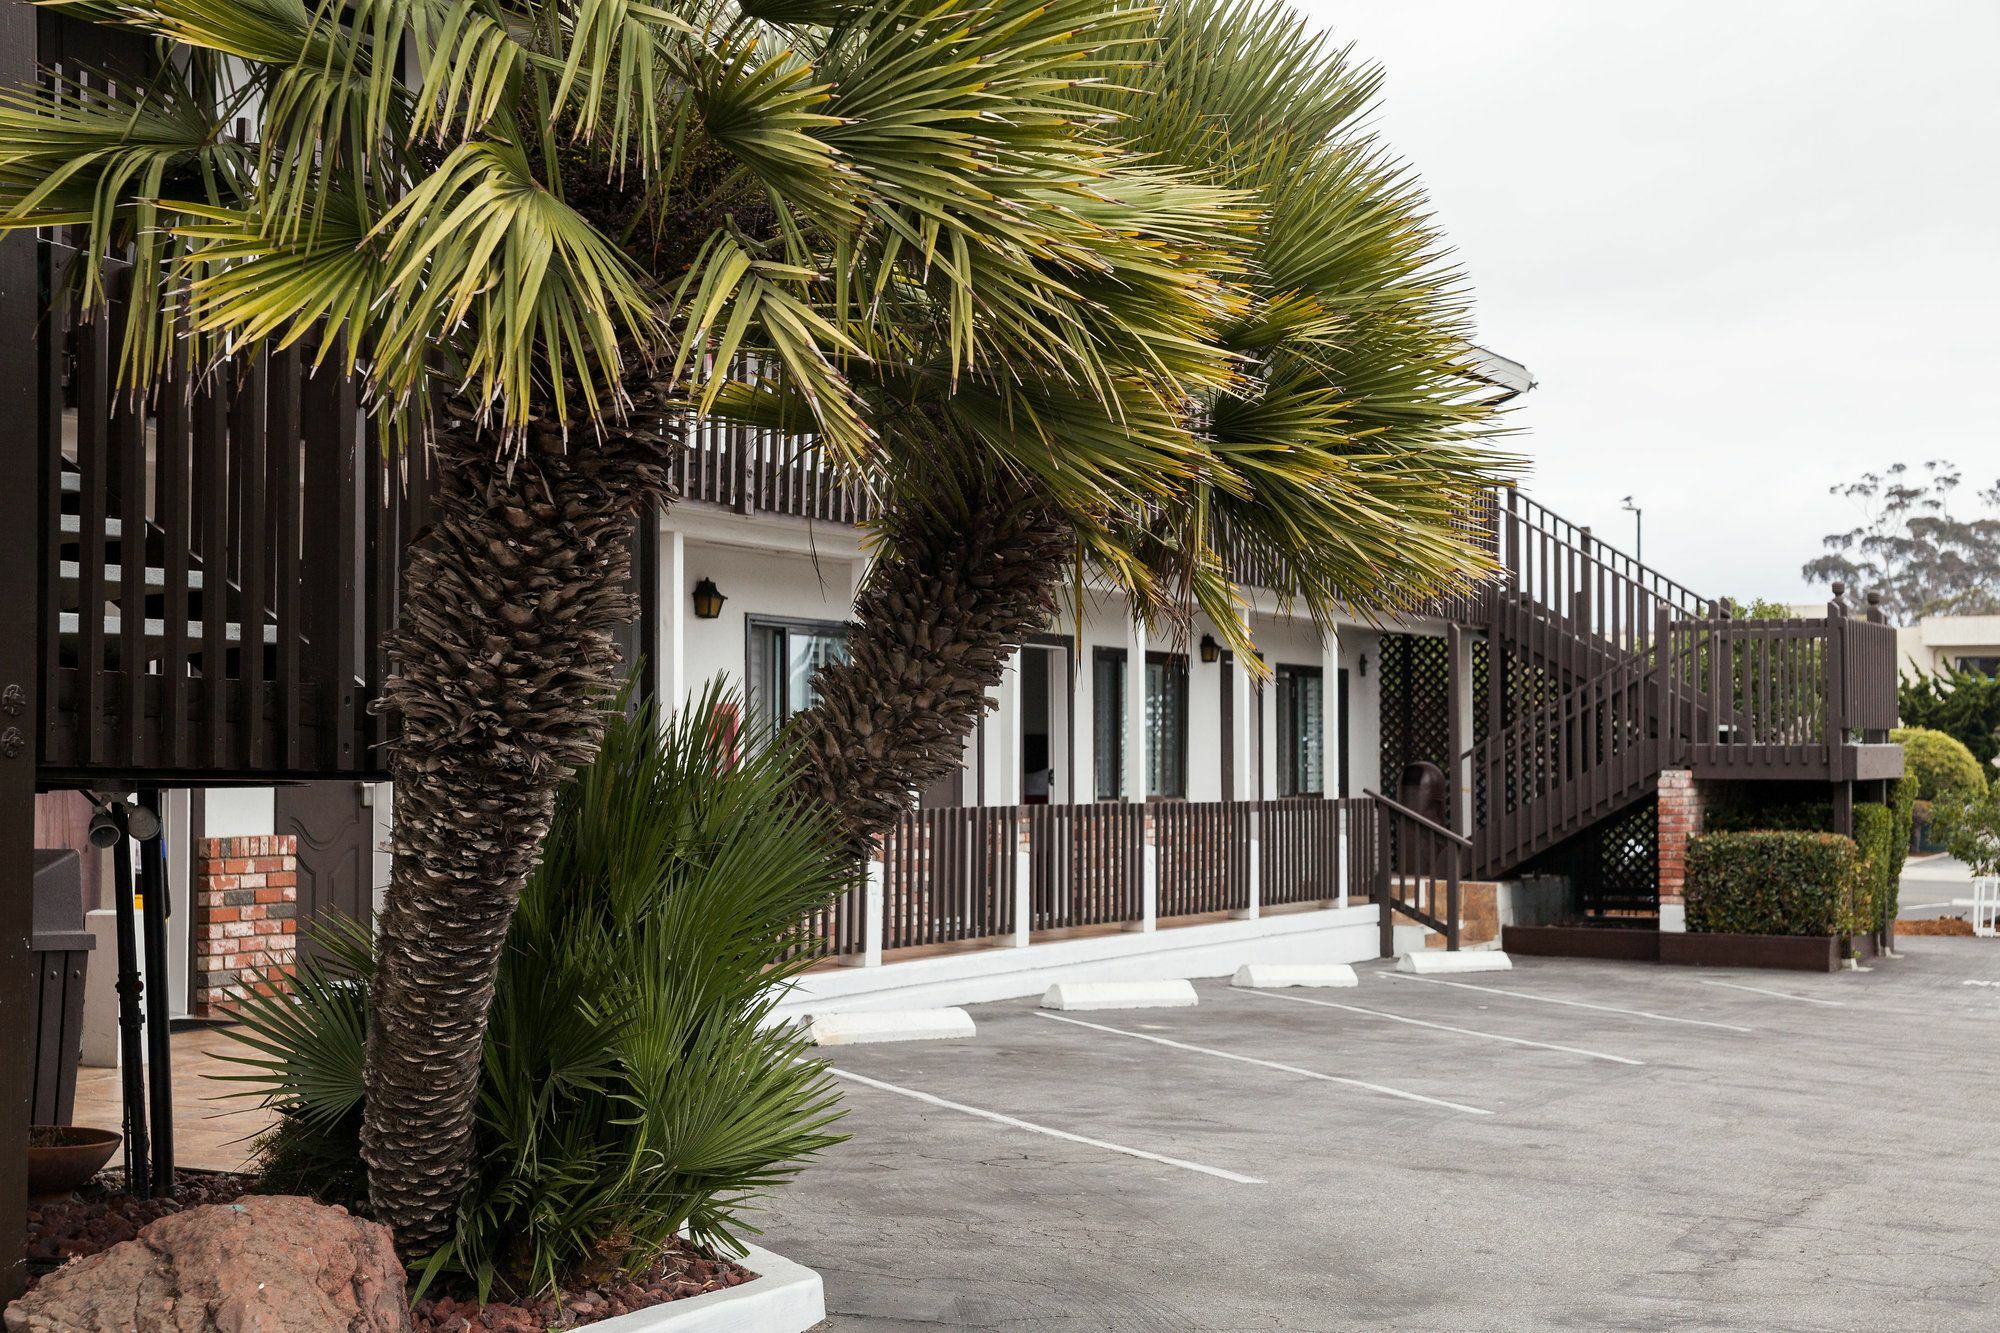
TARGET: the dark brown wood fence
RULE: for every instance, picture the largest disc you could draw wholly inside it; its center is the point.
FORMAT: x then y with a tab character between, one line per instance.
1086	864
948	874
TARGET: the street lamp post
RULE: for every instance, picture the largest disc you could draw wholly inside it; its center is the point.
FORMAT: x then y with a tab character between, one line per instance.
1638	530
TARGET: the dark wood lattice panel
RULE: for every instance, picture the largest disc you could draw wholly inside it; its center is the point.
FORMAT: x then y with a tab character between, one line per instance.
1416	704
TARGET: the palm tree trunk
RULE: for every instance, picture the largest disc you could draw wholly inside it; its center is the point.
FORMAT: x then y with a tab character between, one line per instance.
954	592
500	663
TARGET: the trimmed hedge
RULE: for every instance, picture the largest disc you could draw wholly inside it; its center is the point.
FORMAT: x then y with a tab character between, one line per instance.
1771	883
1875	839
1938	763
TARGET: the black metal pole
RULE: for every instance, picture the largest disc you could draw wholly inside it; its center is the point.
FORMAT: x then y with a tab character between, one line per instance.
130	993
158	906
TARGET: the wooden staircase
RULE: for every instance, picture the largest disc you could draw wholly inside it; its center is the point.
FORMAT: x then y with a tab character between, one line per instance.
1604	672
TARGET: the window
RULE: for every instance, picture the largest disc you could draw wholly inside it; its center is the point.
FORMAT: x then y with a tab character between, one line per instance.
1166	724
782	658
1107	709
1301	731
1980	666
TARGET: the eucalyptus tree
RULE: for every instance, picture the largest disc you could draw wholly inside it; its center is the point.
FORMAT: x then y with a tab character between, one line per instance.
1339	442
532	229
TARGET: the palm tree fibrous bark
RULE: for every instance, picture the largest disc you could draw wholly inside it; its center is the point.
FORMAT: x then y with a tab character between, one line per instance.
953	592
501	661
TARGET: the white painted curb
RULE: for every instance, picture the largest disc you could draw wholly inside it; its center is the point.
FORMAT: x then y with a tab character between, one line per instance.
1277	976
890	1025
1427	962
785	1298
1082	995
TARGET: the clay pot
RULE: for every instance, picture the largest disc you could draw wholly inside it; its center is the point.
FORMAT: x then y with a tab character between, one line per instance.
62	1157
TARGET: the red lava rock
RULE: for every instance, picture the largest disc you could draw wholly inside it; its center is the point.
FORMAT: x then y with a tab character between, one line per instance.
264	1264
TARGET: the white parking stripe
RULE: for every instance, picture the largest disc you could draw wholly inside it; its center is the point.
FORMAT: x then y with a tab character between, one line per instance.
1574	1004
1783	995
1065	1135
1271	1064
1445	1027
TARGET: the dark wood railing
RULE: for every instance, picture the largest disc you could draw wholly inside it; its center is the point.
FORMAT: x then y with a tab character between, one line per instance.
1419	873
1086	863
1201	856
948	875
764	471
952	874
219	563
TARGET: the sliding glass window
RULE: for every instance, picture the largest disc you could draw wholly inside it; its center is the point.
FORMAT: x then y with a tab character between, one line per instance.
1301	731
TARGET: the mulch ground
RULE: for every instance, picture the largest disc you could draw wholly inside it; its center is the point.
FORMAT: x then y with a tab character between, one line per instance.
681	1271
102	1215
1937	925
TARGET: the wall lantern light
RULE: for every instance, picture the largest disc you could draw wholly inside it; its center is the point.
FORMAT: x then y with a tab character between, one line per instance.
1211	651
708	600
1363	664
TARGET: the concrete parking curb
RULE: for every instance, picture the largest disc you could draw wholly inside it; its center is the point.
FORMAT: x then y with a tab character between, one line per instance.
1086	995
1433	962
1277	976
891	1025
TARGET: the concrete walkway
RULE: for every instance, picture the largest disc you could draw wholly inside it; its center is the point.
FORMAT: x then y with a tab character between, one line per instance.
1935	885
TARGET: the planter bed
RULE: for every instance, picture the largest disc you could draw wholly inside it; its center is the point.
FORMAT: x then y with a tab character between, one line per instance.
1800	953
1623	944
688	1292
1794	953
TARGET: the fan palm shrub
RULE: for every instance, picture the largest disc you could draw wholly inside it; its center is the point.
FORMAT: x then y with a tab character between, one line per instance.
634	1081
539	231
1339	461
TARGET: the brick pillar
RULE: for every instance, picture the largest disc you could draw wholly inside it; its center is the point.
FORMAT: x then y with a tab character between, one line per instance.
245	927
1680	819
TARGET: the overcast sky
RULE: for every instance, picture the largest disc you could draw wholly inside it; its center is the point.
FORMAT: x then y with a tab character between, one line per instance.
1749	249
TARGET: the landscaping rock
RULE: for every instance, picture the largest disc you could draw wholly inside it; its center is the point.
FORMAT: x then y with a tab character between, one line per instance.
264	1264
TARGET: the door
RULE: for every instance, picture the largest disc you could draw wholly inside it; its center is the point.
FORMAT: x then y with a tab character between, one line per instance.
336	871
1228	678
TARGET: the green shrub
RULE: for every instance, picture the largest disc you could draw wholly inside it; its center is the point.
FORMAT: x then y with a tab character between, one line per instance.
1969	827
1771	883
633	1084
1965	704
1875	839
1937	763
1903	805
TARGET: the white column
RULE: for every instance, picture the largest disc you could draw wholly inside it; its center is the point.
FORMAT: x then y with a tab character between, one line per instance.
1135	710
1331	738
1003	739
671	651
871	919
1024	906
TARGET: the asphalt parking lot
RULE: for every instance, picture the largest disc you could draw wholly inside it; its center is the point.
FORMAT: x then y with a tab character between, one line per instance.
1568	1145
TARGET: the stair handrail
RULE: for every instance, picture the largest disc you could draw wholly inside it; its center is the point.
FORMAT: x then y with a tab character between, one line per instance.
1409	814
1566	549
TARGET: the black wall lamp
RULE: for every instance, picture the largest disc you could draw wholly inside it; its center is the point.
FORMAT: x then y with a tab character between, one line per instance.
1211	651
1363	664
708	600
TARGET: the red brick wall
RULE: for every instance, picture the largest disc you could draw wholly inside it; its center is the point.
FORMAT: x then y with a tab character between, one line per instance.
1681	807
245	927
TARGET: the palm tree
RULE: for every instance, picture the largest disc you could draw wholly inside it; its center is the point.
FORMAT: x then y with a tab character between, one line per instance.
531	229
1335	463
